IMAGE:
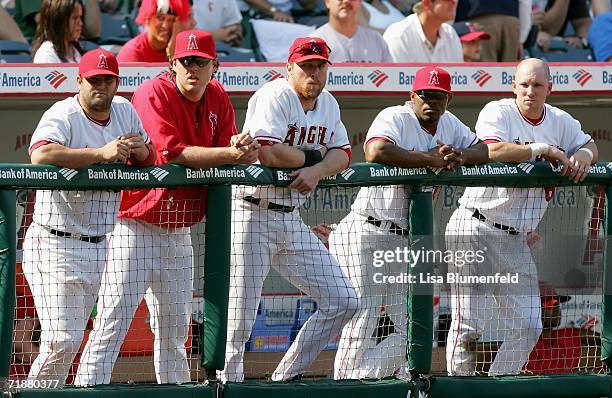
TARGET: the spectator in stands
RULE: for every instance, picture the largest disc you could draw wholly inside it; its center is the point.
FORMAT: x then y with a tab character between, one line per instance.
27	17
162	20
552	17
221	18
599	7
424	36
600	37
8	28
278	10
470	38
379	14
58	33
507	21
348	41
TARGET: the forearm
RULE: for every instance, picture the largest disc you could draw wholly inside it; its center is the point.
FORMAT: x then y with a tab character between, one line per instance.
197	156
92	26
393	155
281	156
509	152
554	18
581	27
476	154
149	160
593	148
260	5
334	162
62	156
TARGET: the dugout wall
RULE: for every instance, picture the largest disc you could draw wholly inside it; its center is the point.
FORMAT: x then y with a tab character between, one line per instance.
216	275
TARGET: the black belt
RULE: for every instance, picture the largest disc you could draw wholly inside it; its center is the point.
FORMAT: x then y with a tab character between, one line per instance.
507	228
269	205
393	227
90	239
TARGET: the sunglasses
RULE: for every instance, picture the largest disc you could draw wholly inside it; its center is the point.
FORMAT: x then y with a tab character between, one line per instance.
193	60
313	47
432	95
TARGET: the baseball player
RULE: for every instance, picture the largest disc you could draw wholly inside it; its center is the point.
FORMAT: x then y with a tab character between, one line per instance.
499	221
191	121
420	133
65	247
298	124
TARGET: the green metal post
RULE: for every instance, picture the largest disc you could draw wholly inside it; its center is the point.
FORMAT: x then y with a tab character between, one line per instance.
216	277
8	247
606	309
420	296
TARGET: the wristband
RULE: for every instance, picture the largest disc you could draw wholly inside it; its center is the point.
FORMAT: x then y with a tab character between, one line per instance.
587	150
538	149
311	157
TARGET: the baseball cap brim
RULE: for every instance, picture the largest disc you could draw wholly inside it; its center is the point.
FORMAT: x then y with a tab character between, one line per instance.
475	35
97	72
432	88
309	57
192	53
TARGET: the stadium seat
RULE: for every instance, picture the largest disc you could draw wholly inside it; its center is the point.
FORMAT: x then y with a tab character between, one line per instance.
88	45
560	51
115	30
14	51
227	53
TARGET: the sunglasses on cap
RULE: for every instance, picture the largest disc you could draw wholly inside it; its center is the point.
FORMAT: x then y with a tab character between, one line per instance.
193	60
432	95
313	47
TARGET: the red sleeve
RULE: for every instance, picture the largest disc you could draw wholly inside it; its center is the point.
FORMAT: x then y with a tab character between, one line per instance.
227	122
38	144
491	141
155	110
376	139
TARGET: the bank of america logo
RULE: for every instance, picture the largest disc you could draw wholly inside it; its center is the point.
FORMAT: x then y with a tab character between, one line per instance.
158	173
271	75
346	174
481	77
68	174
526	167
254	171
56	78
436	170
582	77
378	77
609	166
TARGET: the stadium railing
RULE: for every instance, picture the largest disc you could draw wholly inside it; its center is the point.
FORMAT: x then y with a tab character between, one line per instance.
422	380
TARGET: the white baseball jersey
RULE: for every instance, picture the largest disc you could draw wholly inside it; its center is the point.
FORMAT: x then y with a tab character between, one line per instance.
399	125
89	213
366	45
275	114
521	208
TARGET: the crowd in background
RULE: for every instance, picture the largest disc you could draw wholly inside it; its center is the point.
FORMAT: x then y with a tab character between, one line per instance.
357	30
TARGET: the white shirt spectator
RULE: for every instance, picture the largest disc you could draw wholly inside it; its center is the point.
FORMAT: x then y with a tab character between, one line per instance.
282	5
211	15
407	43
366	45
46	55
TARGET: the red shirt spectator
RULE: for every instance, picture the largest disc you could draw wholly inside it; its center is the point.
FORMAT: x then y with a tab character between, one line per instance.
557	352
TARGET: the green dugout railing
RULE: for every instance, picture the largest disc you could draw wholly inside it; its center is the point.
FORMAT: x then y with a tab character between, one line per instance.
216	273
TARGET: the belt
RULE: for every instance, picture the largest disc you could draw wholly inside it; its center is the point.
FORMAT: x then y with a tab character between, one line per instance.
90	239
507	228
269	205
388	225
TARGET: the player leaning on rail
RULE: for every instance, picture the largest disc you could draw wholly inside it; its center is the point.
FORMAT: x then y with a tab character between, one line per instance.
420	133
503	219
65	247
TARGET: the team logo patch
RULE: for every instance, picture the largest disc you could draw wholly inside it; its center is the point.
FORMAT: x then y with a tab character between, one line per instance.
254	171
378	77
56	78
271	75
481	77
433	78
346	174
192	44
526	167
159	174
102	63
68	174
582	77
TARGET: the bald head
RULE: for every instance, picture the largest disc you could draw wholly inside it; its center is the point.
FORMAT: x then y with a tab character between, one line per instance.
531	85
533	66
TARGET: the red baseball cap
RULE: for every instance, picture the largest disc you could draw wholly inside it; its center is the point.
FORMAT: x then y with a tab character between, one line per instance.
198	43
305	48
432	78
98	62
467	31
